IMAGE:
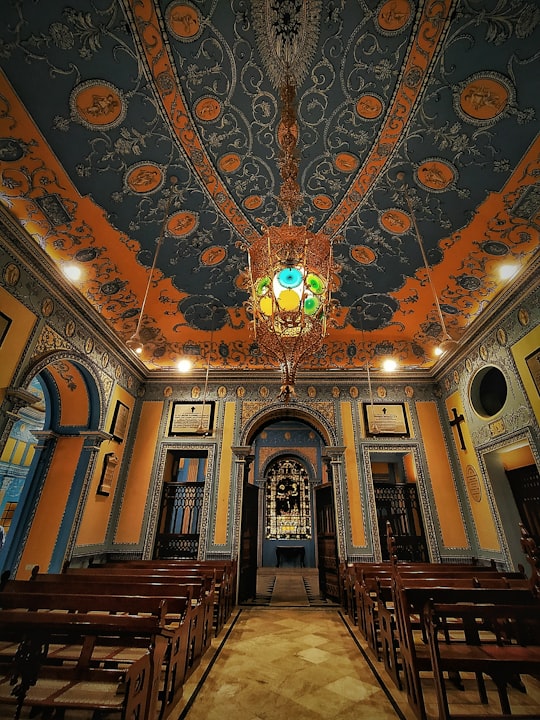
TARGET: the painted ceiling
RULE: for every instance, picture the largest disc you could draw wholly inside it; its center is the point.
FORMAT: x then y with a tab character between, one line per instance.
103	102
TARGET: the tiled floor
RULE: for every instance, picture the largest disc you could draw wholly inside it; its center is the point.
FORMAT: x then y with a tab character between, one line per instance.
297	658
279	663
289	663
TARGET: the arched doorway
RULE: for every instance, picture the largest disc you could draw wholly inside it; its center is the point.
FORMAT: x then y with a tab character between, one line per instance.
282	447
288	521
61	447
17	455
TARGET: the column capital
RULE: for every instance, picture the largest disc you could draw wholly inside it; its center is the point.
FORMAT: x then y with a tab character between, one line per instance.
334	452
242	452
19	398
97	437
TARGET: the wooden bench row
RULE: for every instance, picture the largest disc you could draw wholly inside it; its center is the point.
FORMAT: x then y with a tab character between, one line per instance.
395	607
113	641
223	573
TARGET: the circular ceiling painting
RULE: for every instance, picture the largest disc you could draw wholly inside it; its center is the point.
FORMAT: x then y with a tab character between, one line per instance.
144	177
436	174
98	105
484	97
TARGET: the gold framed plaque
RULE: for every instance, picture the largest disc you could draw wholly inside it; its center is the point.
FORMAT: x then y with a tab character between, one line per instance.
386	419
191	418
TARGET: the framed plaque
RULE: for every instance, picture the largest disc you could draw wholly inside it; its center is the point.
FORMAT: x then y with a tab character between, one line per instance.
119	421
108	471
191	418
385	419
5	322
533	363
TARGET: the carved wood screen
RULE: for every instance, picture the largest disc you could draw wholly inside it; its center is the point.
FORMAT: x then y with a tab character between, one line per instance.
288	502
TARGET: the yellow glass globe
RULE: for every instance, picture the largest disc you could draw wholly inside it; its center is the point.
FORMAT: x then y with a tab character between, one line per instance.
265	305
288	300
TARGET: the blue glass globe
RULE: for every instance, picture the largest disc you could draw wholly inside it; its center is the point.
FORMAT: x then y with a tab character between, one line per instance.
290	277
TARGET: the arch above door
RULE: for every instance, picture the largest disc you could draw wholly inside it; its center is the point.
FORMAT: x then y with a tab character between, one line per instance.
278	411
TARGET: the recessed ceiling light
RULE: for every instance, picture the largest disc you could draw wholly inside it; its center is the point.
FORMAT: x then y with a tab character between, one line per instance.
389	365
73	272
507	271
184	365
438	351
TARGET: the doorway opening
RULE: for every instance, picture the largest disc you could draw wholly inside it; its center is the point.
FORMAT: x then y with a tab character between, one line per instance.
181	504
395	489
513	469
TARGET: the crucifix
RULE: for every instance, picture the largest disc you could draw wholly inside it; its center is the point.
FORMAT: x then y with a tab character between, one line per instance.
456	421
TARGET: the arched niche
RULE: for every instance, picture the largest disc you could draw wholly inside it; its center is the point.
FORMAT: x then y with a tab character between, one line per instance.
63	451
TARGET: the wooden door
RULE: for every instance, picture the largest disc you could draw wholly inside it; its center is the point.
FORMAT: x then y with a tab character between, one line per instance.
327	553
525	484
247	564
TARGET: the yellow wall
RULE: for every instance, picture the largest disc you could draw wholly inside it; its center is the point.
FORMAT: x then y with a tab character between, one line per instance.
352	477
442	483
43	533
410	468
521	350
22	323
517	458
96	514
225	473
474	482
130	522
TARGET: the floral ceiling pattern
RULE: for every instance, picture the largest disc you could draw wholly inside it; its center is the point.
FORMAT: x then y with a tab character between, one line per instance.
103	102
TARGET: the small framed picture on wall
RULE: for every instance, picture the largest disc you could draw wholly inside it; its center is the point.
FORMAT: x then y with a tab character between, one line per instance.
533	363
5	322
119	421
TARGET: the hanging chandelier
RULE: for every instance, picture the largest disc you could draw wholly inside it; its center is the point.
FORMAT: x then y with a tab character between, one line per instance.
291	271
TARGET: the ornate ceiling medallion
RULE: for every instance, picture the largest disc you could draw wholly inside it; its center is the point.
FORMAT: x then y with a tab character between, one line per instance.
394	16
436	174
287	34
182	223
362	254
369	106
98	105
144	177
484	98
395	221
208	109
184	21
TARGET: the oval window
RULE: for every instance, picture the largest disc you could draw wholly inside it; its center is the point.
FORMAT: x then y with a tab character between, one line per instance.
488	391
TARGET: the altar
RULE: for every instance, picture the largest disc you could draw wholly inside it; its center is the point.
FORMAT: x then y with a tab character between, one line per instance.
291	552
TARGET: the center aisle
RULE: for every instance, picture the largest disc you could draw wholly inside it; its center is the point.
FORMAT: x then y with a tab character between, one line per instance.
281	663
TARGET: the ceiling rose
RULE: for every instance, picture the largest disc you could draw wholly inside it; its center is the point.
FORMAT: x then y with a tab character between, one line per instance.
287	34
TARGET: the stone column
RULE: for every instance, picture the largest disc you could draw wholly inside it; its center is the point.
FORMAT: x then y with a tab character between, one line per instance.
333	456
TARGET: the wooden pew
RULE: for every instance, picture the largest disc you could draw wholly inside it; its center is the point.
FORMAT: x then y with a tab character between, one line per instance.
409	605
223	570
32	677
169	665
203	586
199	620
372	592
498	640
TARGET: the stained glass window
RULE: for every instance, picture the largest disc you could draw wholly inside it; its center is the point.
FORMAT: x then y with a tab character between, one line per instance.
288	502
